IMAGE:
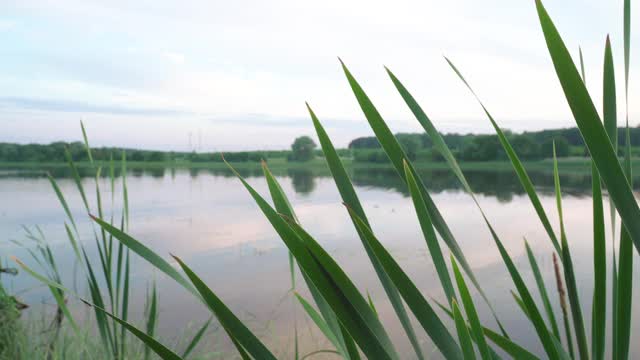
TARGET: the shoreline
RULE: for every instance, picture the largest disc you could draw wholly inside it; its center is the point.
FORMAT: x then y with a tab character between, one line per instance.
567	164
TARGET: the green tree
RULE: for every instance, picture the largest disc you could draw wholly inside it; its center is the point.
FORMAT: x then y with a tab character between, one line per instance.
483	148
157	156
562	147
410	144
526	147
302	149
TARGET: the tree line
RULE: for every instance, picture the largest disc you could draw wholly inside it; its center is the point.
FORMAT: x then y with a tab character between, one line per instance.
303	149
530	145
533	145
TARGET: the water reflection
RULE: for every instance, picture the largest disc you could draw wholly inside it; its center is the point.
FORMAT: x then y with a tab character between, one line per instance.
502	184
303	180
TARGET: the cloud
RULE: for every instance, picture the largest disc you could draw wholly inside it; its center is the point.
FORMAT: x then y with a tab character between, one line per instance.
174	57
7	24
18	103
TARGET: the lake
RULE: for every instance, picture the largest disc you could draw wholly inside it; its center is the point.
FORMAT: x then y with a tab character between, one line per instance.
208	219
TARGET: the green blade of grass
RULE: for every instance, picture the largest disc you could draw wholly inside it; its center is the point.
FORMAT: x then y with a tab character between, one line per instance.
196	338
627	47
345	284
105	251
342	336
440	145
598	328
283	206
625	273
584	78
610	108
76	178
112	179
535	316
517	165
368	333
58	295
125	298
599	306
86	142
162	351
556	341
569	276
152	317
63	201
125	192
542	289
349	196
74	243
429	235
371	304
504	343
521	304
96	298
147	254
614	308
320	323
468	353
234	327
395	153
423	312
591	128
532	310
472	314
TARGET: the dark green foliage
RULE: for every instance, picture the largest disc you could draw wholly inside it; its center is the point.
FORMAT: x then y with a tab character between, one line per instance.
534	145
562	147
482	148
11	328
370	155
369	142
302	149
410	145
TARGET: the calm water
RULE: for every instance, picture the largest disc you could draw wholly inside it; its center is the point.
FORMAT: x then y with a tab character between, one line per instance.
207	218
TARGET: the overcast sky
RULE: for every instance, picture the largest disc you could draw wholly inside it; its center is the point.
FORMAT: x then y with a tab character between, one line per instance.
232	75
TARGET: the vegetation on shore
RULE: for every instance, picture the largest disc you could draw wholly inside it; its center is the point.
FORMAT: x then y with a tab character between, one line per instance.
533	147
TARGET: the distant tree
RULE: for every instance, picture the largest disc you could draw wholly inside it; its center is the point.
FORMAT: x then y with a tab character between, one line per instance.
302	149
157	156
136	155
526	147
562	147
434	155
369	142
410	144
483	148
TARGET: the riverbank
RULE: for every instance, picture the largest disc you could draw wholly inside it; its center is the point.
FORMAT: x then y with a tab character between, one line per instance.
566	164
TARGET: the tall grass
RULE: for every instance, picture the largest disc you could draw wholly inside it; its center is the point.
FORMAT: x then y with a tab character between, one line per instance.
349	320
108	280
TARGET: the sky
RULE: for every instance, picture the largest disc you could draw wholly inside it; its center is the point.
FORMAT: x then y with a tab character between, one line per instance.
210	75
